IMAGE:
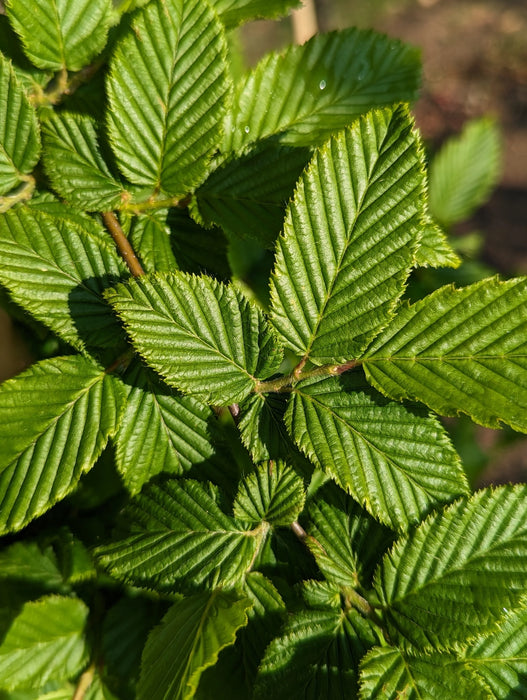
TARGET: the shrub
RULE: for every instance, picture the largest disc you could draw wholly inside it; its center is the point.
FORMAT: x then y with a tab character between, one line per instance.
273	508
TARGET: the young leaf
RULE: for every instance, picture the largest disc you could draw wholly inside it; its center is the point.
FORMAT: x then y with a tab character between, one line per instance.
247	194
55	419
187	641
500	659
181	540
346	542
349	238
30	78
459	350
27	562
434	249
59	34
56	270
45	642
19	132
150	238
234	12
391	673
262	428
397	463
450	579
464	172
316	656
159	431
74	164
311	91
273	493
202	336
166	88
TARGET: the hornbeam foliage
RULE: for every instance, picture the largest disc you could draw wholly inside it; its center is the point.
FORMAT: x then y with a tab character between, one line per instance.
225	475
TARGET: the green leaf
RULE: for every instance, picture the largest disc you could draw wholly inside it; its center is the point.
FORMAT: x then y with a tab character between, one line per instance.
273	493
189	639
55	419
464	172
434	249
345	541
392	674
311	91
45	642
247	194
159	431
19	132
316	656
74	164
262	428
459	350
349	238
167	87
198	250
59	34
500	659
234	12
56	269
450	579
202	336
181	540
396	462
30	78
27	562
150	238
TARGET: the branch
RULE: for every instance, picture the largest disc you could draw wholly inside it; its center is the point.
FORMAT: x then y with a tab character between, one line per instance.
305	23
122	243
286	383
84	683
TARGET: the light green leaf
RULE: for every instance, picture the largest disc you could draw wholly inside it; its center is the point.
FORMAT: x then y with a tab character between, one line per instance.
274	493
202	336
345	541
159	431
167	87
55	419
97	690
187	641
27	562
234	12
392	674
500	659
60	34
56	269
19	132
74	164
450	579
396	462
316	656
434	249
45	642
311	91
349	238
150	238
181	540
464	172
247	195
459	350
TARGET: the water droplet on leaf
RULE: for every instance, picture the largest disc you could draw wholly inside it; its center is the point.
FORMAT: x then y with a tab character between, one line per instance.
322	84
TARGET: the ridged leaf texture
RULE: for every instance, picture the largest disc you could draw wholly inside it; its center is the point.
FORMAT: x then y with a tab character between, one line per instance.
75	166
316	656
262	427
310	91
19	131
202	336
180	539
459	350
451	578
234	12
274	492
150	238
159	431
57	269
464	172
59	33
391	673
349	238
396	462
434	249
55	419
187	641
166	88
45	642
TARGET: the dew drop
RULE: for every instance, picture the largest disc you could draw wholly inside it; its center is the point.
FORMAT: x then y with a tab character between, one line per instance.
322	84
247	129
